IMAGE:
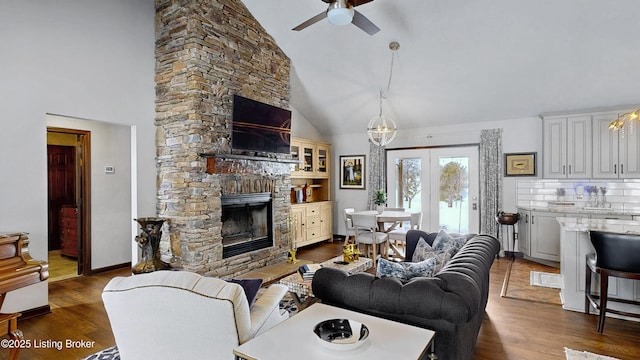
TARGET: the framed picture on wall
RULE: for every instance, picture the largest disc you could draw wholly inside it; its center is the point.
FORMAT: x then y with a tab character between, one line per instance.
520	164
352	172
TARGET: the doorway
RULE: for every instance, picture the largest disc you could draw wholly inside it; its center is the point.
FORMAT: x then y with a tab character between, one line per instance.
441	182
68	202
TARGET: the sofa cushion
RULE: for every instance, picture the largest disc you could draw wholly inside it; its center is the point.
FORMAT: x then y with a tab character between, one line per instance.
424	251
406	270
445	241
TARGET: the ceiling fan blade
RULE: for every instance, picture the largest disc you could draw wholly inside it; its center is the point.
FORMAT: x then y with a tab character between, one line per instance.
311	21
363	23
355	3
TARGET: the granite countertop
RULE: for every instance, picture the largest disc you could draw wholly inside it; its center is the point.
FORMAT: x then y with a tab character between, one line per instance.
584	225
578	210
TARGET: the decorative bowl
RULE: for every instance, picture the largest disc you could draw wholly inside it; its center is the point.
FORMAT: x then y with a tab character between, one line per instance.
507	218
341	334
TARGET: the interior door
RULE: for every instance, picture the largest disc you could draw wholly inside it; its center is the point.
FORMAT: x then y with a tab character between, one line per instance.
441	182
61	173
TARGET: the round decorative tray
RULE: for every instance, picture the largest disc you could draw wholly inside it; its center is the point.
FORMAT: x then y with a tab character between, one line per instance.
341	334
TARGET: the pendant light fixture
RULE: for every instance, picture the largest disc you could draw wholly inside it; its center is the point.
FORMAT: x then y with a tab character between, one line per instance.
619	122
381	129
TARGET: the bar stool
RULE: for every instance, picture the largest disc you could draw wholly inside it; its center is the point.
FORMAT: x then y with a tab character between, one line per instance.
616	256
508	220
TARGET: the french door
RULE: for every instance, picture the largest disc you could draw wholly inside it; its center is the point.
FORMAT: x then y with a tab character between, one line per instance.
440	182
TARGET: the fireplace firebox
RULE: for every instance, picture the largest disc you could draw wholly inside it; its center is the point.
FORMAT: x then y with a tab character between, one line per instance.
247	223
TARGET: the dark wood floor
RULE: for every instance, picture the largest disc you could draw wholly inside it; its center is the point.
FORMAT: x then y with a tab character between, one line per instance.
512	328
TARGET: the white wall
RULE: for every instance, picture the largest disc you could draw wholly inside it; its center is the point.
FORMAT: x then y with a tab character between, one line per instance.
88	59
301	127
111	217
519	135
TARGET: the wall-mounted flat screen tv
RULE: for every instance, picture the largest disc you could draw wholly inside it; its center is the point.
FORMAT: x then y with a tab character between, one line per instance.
260	127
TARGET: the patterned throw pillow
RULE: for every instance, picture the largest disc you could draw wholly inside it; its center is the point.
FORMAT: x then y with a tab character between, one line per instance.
424	251
444	241
405	270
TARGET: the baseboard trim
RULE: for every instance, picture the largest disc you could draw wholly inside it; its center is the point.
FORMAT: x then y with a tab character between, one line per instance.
31	313
109	268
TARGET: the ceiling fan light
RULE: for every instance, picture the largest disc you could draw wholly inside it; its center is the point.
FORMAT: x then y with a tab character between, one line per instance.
340	16
340	13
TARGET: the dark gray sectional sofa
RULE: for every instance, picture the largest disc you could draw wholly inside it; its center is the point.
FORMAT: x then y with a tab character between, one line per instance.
452	303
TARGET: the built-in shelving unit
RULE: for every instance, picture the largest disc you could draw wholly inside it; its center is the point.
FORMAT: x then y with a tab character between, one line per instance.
310	173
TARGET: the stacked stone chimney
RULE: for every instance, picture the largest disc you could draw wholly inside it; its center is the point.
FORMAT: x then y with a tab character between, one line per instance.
207	51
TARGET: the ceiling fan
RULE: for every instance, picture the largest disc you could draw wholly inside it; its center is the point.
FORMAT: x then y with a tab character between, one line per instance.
342	12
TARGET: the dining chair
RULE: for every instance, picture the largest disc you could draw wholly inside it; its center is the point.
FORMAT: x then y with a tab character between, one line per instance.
369	235
616	255
398	237
348	224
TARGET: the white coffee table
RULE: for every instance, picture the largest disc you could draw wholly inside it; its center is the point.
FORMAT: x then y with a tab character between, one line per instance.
293	339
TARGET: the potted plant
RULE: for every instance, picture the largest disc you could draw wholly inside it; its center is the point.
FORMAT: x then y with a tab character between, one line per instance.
380	199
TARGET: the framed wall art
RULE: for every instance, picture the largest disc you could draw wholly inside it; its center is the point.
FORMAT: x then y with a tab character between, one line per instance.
352	172
520	164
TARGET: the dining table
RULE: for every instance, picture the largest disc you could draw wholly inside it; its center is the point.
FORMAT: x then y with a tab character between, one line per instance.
391	217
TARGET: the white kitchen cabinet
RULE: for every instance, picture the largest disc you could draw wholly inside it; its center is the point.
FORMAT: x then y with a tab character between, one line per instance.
616	154
539	232
567	147
524	239
545	235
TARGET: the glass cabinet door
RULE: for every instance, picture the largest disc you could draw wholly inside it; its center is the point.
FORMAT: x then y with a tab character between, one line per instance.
307	156
295	155
322	168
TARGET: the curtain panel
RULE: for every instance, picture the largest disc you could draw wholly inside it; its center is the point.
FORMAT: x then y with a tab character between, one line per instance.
491	170
377	166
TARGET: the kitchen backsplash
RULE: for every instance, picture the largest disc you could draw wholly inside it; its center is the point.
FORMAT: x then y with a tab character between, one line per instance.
620	195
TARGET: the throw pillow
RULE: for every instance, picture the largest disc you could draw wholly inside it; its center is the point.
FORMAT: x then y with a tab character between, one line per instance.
405	270
424	251
250	287
444	241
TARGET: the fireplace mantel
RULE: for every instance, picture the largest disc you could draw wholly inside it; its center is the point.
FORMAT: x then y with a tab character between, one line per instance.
248	157
211	160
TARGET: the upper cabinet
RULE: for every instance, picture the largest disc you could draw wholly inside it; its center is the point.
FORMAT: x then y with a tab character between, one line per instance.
567	147
313	156
616	154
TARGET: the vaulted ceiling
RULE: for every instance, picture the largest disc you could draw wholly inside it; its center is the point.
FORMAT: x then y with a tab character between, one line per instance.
459	60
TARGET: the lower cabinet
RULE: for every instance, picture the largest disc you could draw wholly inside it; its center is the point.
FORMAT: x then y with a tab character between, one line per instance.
544	232
539	231
524	238
311	222
539	234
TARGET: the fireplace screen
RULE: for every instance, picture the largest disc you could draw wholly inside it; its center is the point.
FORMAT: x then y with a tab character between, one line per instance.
247	223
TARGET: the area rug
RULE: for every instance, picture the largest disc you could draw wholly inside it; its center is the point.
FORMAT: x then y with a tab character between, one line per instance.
106	354
545	279
287	303
517	283
585	355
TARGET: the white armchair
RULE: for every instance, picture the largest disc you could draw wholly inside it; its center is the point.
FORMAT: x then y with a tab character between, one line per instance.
183	315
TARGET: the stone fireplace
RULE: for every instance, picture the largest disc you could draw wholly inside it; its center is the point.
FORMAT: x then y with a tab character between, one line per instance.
247	223
207	51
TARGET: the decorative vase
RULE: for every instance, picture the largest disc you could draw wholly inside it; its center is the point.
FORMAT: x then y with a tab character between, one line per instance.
149	242
380	208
